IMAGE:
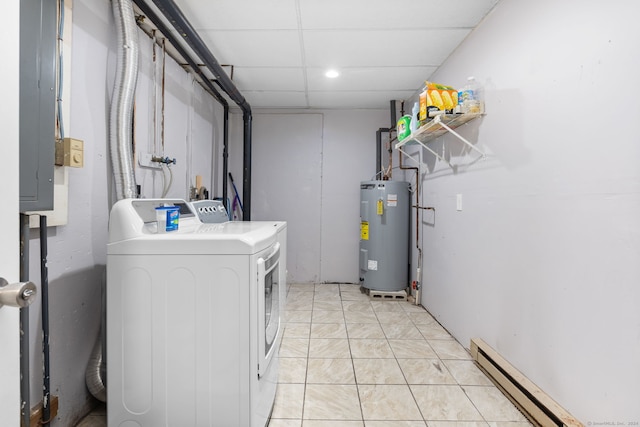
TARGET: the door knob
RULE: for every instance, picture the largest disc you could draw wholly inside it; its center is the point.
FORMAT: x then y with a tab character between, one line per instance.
19	294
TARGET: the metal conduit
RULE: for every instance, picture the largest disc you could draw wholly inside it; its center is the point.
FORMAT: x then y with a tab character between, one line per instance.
182	25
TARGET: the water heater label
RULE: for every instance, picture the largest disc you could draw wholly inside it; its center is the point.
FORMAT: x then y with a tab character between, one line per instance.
364	230
372	265
392	200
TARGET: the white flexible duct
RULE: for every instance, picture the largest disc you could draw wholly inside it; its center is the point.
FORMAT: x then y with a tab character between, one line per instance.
94	376
120	142
120	123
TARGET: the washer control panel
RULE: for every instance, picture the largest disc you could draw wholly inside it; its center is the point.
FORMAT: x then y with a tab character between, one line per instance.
210	211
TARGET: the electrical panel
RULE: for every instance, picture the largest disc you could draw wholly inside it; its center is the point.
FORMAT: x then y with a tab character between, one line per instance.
38	35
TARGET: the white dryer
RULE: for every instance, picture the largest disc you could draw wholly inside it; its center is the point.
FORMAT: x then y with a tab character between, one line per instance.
193	319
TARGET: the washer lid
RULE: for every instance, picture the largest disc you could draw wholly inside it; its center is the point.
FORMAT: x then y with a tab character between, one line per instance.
213	239
129	233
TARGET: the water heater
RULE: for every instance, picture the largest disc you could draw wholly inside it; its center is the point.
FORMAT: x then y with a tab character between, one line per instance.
384	235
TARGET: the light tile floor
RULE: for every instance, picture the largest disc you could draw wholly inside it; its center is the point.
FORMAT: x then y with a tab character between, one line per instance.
349	361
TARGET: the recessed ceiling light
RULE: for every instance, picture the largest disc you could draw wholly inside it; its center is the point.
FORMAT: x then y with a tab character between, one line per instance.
332	74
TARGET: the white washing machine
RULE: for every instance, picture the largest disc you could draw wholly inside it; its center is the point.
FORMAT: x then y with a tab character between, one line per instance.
193	319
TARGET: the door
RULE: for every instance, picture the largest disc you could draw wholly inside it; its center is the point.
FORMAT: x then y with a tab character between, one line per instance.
9	219
287	179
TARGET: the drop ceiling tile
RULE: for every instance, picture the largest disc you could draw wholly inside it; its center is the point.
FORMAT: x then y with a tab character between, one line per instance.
384	48
369	48
245	15
373	78
352	99
398	14
269	78
255	47
270	99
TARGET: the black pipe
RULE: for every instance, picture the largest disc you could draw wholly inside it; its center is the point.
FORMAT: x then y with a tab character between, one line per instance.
149	13
378	152
246	183
392	113
225	159
181	24
392	108
44	278
379	149
25	388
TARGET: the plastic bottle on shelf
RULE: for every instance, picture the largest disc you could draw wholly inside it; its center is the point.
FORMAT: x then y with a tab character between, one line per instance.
469	97
413	126
403	127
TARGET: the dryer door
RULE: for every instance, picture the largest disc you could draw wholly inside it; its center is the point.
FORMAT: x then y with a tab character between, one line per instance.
268	307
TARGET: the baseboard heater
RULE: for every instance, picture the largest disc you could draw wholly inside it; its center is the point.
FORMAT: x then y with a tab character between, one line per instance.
531	400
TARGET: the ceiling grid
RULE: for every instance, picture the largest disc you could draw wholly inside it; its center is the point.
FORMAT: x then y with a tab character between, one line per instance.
383	49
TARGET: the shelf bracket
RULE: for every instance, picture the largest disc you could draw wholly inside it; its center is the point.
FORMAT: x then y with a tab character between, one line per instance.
429	150
410	157
460	137
436	128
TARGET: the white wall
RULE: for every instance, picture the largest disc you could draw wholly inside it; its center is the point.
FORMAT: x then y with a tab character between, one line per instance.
542	262
193	126
307	168
77	251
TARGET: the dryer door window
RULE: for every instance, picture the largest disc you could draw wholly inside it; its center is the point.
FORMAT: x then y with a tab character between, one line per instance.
268	306
271	308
